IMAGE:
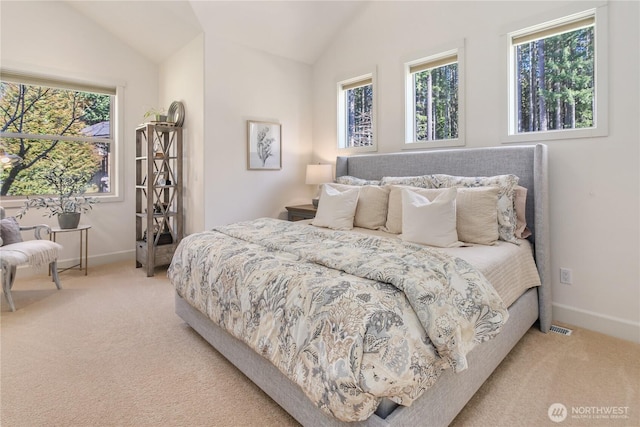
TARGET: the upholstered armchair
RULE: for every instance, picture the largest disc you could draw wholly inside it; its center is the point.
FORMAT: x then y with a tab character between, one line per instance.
15	252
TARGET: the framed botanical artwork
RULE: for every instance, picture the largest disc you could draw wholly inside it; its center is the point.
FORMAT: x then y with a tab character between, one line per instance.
264	145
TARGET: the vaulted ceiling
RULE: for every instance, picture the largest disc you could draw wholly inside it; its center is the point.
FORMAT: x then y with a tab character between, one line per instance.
297	30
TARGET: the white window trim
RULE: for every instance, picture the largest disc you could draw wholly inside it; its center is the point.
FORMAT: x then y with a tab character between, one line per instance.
601	92
117	195
456	48
341	125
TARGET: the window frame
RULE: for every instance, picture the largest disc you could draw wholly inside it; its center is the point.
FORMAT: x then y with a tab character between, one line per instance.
341	112
552	19
456	48
83	84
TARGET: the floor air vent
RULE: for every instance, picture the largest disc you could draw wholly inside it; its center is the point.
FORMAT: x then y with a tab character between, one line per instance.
560	330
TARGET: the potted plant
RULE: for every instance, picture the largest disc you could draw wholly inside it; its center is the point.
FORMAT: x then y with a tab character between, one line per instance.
68	201
159	114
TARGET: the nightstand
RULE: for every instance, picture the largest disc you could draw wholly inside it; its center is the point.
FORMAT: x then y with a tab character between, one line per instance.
299	212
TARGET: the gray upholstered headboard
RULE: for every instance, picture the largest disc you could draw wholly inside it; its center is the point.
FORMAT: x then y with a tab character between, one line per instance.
529	163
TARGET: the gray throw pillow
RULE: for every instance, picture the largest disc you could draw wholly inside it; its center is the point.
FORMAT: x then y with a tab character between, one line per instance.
10	231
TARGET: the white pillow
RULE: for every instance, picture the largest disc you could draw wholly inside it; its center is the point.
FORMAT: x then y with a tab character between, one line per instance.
476	214
336	209
371	210
427	222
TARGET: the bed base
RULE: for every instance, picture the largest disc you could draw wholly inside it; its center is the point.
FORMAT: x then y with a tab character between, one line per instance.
438	406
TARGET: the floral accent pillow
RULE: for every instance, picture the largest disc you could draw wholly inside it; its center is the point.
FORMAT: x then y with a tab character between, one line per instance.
507	220
422	181
352	180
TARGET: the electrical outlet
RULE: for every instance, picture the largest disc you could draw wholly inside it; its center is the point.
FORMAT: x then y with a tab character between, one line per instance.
566	276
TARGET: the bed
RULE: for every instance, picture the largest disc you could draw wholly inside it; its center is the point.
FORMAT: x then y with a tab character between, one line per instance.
443	400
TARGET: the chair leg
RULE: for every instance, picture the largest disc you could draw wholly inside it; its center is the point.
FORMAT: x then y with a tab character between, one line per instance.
53	267
9	274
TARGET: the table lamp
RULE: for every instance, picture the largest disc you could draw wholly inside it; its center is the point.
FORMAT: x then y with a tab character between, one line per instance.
316	175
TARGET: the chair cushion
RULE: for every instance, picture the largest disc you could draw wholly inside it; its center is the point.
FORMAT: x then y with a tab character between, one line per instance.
10	231
33	252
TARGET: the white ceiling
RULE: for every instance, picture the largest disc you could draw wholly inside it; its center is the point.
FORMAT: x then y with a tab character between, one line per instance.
297	30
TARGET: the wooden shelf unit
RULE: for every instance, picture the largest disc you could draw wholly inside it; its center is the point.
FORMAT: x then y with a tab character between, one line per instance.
159	212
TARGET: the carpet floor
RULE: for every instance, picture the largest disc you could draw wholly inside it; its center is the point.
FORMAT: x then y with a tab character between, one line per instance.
108	350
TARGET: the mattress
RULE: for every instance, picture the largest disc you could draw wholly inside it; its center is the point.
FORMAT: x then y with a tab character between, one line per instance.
510	268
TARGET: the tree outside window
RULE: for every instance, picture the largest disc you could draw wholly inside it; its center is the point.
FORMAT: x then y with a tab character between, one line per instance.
356	114
360	116
555	80
434	98
52	126
436	103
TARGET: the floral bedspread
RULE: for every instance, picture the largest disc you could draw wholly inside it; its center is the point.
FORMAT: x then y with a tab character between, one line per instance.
350	318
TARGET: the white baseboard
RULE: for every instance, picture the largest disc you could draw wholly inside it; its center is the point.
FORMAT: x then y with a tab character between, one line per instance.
609	325
109	258
130	255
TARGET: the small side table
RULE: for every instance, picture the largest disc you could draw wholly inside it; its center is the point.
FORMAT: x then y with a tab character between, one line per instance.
300	212
84	246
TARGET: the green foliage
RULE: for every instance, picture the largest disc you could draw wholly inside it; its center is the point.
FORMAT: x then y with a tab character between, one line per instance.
56	206
436	103
98	108
32	181
69	184
48	112
155	112
556	82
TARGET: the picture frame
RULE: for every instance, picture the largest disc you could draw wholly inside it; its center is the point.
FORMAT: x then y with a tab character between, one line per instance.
264	145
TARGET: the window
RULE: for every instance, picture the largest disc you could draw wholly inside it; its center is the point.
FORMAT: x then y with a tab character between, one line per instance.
557	82
357	114
53	124
434	100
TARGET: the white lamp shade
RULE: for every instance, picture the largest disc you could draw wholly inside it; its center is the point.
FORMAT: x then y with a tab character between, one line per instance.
319	174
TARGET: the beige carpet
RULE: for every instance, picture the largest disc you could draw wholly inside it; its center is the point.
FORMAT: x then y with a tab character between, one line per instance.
108	350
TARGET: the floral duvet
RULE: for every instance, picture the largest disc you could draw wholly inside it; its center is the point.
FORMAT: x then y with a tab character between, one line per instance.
350	318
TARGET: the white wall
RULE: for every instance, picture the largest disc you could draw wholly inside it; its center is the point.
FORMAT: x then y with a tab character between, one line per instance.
182	79
244	84
595	183
52	38
239	84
